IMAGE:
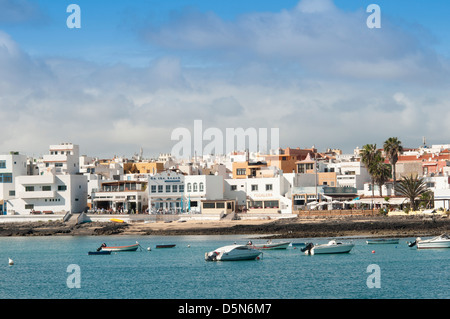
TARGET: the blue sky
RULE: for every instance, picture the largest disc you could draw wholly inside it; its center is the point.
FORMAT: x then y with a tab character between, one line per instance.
136	70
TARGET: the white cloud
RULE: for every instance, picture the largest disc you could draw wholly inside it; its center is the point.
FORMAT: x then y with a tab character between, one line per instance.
314	71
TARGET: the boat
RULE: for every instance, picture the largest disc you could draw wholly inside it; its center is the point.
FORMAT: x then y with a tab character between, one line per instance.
332	247
269	245
233	253
166	246
101	252
133	247
382	241
297	244
441	241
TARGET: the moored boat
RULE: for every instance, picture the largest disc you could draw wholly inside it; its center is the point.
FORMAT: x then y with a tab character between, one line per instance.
104	252
133	247
165	246
269	245
382	241
232	253
441	241
332	247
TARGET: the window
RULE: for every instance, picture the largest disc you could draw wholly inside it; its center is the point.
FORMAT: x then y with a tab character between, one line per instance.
233	187
29	188
201	187
254	188
268	187
181	188
220	205
12	193
175	188
58	164
29	206
195	187
62	187
153	188
6	178
2	164
189	187
209	205
160	188
46	188
167	188
241	171
271	204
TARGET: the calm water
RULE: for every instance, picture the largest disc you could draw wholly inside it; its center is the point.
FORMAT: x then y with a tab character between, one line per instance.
41	264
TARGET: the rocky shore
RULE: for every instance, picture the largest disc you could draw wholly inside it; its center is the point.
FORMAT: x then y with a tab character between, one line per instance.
377	226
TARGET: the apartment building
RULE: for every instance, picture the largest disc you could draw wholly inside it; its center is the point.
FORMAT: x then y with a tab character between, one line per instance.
58	188
11	166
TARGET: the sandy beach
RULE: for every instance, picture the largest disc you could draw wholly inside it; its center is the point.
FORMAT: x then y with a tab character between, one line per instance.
378	226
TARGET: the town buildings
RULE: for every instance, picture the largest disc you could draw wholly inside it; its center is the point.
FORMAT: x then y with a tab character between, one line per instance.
283	181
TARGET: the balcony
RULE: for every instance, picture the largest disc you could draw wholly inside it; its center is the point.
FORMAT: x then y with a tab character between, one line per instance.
36	179
36	194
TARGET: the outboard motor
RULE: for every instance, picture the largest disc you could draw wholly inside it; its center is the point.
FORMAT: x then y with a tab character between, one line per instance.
212	256
307	248
100	248
412	244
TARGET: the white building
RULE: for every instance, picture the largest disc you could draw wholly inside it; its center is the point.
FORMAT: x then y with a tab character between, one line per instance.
263	195
11	166
165	192
199	188
58	188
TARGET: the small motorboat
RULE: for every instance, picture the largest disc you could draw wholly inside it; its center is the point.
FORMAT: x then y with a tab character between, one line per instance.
233	253
441	241
104	247
269	245
101	252
382	241
332	247
165	246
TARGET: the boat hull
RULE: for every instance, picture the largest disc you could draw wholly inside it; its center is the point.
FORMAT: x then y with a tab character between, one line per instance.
165	246
99	253
335	249
232	253
270	246
121	248
433	245
381	241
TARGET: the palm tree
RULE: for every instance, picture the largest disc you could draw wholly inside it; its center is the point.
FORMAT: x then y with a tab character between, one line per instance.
392	147
412	187
371	156
382	173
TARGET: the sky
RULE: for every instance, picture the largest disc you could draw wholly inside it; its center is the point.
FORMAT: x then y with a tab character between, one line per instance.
137	70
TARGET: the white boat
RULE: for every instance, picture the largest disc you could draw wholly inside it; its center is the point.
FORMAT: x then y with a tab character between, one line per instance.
270	245
232	252
442	241
332	247
382	241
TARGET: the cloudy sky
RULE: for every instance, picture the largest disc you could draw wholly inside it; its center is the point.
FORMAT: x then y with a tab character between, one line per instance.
136	70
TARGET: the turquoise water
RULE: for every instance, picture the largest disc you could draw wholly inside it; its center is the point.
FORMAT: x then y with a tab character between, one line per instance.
41	270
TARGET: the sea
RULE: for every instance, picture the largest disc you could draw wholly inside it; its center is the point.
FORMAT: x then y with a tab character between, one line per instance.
60	268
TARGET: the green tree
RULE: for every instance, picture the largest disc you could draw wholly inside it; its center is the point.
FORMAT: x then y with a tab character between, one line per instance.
370	157
392	147
382	173
412	187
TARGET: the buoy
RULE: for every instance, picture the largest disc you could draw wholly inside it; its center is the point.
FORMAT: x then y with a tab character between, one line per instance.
10	262
149	249
373	251
257	258
189	246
